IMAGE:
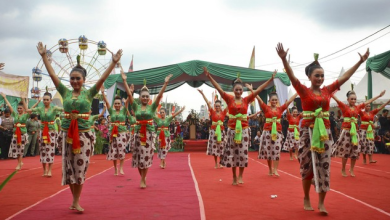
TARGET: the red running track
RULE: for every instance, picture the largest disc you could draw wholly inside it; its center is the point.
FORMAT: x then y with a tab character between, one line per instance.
171	193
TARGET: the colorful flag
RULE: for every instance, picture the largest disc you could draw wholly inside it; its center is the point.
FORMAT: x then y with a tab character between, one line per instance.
252	66
131	64
252	61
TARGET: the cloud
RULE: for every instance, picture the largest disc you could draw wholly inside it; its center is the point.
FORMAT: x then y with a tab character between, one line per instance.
334	14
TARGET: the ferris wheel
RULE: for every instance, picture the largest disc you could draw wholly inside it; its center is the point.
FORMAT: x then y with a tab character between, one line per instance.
62	56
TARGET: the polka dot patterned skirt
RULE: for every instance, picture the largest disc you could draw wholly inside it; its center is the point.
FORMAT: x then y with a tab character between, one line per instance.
16	150
47	151
214	148
236	155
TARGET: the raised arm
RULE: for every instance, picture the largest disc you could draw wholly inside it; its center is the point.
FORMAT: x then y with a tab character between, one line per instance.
283	54
375	98
104	110
115	59
160	94
108	106
177	113
205	99
288	102
336	99
6	101
253	115
383	105
343	78
259	100
264	85
29	111
49	68
215	84
129	91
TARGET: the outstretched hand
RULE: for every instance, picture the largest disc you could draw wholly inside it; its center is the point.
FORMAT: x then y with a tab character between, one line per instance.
184	107
2	94
280	50
102	90
382	93
206	71
117	56
201	92
2	66
365	56
168	77
274	74
123	75
249	86
41	49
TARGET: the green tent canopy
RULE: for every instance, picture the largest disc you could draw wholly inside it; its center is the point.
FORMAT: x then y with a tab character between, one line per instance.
379	64
191	72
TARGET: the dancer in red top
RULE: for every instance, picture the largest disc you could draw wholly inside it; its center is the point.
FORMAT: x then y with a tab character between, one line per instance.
238	134
366	132
316	138
292	139
272	137
347	146
217	137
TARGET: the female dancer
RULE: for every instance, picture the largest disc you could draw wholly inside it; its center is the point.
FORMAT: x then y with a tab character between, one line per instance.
272	137
48	141
119	134
76	134
292	140
217	136
347	146
20	137
366	132
145	134
238	134
164	137
91	122
316	138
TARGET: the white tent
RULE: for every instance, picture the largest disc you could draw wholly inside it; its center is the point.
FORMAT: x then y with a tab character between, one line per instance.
379	83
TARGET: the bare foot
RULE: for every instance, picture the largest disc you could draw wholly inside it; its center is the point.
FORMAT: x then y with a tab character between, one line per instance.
364	161
18	167
221	166
121	171
142	184
216	166
296	157
276	172
240	181
352	173
78	207
343	173
44	173
291	158
373	161
116	172
270	173
234	181
72	207
322	210
49	174
307	205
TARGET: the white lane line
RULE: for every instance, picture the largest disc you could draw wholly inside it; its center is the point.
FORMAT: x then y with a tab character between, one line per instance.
201	205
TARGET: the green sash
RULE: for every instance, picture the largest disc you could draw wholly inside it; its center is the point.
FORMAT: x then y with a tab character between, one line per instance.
370	132
239	117
296	133
319	130
274	131
218	131
352	130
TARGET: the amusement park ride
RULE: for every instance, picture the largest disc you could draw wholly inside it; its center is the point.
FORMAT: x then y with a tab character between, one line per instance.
62	57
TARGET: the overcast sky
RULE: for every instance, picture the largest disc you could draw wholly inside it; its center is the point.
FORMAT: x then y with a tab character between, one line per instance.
160	33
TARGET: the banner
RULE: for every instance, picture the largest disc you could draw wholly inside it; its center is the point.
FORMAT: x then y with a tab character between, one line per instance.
14	85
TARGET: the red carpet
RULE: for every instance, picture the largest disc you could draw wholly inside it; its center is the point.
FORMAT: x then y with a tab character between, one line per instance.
252	200
171	192
170	195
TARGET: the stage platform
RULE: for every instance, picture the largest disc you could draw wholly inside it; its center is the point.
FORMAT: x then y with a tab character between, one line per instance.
195	145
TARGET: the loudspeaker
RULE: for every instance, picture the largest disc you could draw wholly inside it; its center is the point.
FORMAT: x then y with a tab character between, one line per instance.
298	104
95	106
